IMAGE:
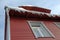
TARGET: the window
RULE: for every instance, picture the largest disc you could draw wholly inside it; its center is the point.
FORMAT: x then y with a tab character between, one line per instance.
39	29
57	23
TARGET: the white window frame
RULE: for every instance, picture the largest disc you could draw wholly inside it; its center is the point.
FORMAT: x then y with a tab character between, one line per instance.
39	30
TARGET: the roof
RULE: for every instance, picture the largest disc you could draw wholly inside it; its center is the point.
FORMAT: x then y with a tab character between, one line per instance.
20	11
36	8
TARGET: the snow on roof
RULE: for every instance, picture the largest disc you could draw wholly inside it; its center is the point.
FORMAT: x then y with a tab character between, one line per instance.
33	12
27	5
35	6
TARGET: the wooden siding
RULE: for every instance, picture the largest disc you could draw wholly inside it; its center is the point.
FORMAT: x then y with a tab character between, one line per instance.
20	30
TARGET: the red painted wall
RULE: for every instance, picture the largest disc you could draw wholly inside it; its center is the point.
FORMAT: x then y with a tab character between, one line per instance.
20	30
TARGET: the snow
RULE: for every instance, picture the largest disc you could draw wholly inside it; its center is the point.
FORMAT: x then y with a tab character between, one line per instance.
33	12
27	5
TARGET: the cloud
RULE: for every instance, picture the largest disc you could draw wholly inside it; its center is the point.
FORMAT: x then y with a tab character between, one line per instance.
56	10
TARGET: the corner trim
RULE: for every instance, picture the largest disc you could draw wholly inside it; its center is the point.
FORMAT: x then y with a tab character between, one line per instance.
7	24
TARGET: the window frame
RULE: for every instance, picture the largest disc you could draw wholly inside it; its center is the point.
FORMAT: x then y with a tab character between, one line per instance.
45	28
56	24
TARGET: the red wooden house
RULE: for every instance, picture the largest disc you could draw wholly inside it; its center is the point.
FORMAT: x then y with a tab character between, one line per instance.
31	23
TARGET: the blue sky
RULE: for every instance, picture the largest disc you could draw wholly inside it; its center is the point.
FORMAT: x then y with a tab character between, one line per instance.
54	5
